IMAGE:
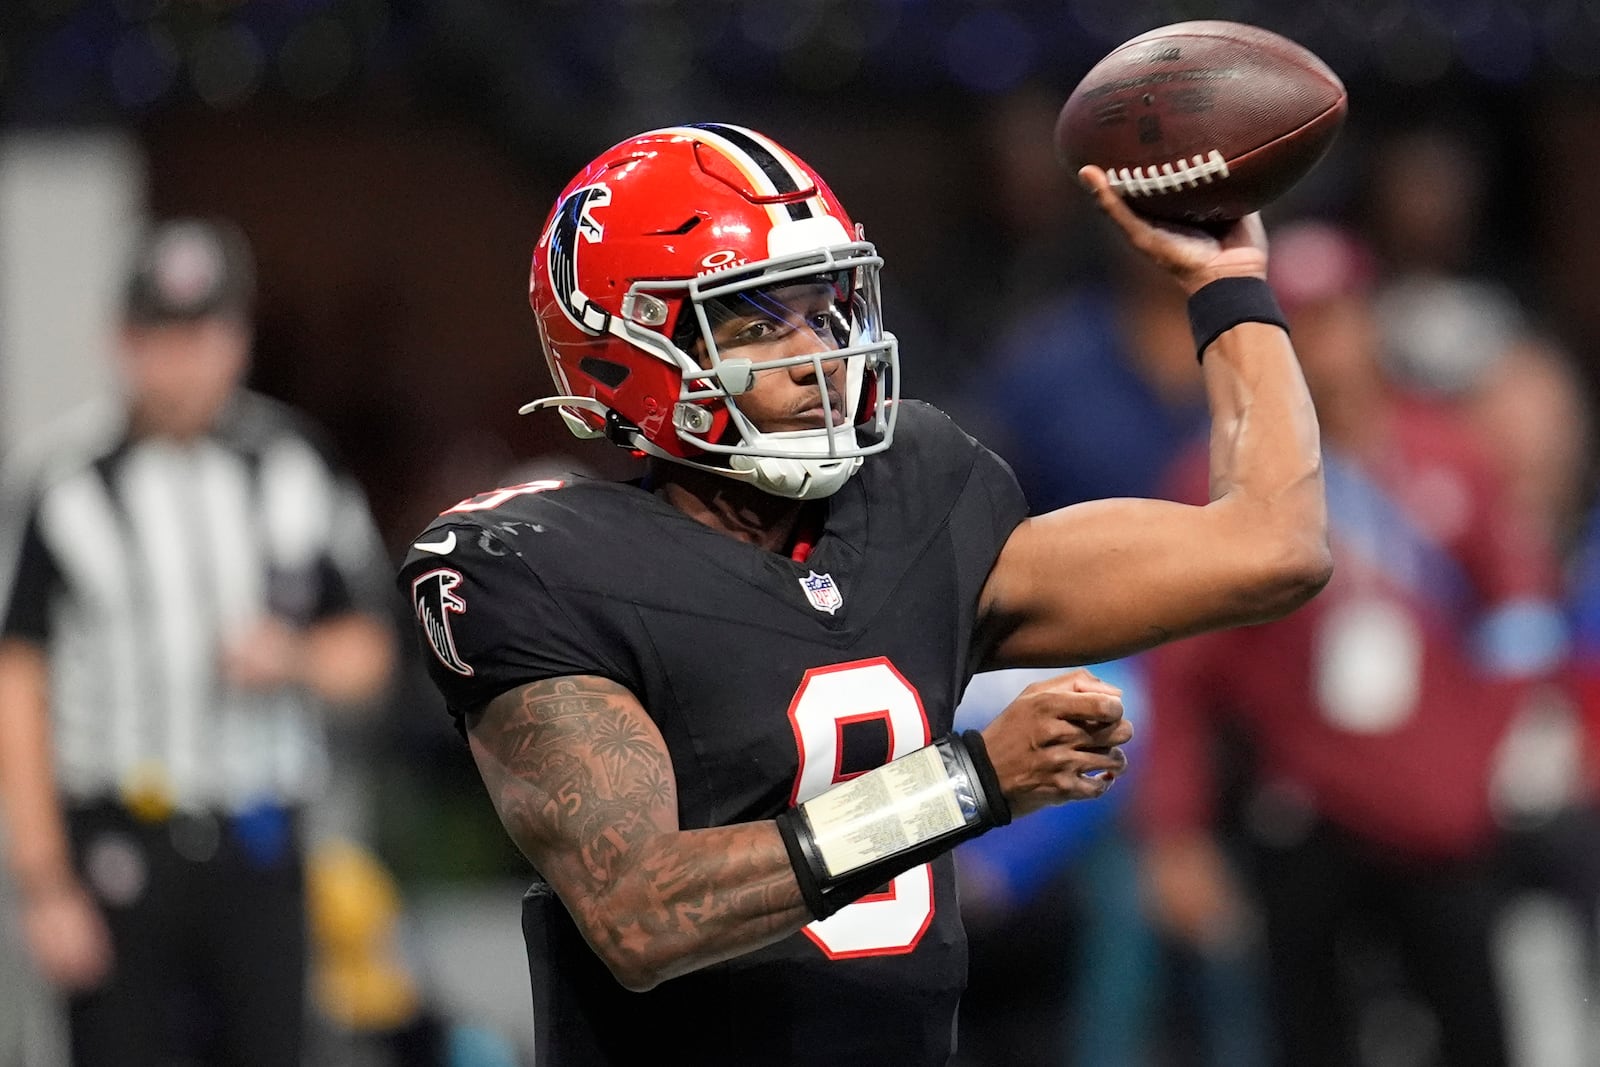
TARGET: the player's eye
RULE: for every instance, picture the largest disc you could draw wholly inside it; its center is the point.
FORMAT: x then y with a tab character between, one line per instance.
754	331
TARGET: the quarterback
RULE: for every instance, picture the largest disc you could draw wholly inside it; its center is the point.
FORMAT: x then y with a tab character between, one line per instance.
713	706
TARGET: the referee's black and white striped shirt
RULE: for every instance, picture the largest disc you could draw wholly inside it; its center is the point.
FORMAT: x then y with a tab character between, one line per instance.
132	560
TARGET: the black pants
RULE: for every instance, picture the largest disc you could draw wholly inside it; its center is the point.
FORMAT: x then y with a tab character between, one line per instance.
1342	919
208	925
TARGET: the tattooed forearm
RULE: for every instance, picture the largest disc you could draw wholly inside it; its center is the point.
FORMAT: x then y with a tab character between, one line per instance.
701	897
572	761
584	784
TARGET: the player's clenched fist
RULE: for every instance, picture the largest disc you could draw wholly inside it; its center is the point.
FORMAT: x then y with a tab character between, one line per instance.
1058	741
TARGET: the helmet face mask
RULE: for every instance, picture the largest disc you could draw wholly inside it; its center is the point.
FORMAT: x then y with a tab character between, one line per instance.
665	269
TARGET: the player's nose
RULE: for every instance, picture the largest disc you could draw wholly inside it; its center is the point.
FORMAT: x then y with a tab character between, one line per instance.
822	350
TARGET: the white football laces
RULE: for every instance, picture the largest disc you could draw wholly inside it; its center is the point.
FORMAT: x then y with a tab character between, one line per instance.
1168	177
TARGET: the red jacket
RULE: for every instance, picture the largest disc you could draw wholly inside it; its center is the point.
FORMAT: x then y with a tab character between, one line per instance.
1372	703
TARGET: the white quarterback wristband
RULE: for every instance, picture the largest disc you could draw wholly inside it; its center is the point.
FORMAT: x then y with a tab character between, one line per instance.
855	836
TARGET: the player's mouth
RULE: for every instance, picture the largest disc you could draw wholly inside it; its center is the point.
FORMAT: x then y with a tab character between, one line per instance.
816	417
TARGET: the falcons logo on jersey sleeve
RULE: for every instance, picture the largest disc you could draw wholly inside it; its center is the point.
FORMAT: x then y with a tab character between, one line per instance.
435	602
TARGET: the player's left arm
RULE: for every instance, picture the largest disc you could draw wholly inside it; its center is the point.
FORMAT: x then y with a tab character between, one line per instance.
1105	578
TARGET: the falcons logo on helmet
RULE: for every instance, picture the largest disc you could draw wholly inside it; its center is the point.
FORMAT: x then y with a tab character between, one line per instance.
574	220
432	596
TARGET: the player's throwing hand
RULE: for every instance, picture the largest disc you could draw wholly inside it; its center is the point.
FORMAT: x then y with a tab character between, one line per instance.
1059	741
1192	255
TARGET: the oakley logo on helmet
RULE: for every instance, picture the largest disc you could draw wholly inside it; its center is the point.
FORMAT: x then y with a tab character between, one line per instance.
574	220
727	257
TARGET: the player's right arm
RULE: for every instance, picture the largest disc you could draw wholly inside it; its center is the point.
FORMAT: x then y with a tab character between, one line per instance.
584	784
576	768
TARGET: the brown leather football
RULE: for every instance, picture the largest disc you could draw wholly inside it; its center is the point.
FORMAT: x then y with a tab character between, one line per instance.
1202	122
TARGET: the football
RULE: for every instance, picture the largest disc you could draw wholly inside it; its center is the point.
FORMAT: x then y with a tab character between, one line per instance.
1203	122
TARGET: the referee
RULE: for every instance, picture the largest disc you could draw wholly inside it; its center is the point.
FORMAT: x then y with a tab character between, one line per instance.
184	580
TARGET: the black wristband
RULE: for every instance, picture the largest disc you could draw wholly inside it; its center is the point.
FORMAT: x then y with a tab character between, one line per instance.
802	849
1221	305
978	752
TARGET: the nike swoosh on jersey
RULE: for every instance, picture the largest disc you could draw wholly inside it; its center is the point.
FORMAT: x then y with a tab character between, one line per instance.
438	548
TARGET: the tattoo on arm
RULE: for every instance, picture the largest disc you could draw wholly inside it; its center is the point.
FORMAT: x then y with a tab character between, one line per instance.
584	784
573	765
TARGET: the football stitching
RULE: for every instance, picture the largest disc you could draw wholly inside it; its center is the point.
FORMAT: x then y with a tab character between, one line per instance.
1168	177
1277	45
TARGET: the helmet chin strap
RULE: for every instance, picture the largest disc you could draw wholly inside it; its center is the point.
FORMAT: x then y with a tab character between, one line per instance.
802	479
796	479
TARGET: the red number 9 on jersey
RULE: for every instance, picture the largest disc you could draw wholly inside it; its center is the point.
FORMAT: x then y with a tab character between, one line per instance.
893	921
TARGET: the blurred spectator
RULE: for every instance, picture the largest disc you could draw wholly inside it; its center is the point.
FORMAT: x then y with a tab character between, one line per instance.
1442	332
1471	344
1425	201
1126	343
1532	404
1375	715
1454	329
190	578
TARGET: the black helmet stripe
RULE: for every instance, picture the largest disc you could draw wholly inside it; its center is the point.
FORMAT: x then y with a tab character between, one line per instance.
782	178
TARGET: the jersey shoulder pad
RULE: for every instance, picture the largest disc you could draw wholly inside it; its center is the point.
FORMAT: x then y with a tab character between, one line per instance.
931	461
499	604
507	499
558	528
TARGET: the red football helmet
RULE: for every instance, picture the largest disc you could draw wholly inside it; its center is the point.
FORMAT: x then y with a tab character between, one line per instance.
648	246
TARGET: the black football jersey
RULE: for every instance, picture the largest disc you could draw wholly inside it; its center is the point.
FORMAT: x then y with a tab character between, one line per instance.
770	680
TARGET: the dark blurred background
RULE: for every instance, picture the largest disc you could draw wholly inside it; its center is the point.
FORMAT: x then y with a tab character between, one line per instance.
393	160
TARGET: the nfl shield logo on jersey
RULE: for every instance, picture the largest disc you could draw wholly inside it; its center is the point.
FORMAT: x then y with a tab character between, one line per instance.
821	591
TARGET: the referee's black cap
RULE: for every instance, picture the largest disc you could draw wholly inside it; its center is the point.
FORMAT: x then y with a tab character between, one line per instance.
186	269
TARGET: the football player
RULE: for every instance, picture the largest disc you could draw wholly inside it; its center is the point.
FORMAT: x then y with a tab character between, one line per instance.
713	706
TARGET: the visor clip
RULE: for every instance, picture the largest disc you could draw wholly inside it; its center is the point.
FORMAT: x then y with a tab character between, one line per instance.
644	309
620	431
691	418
